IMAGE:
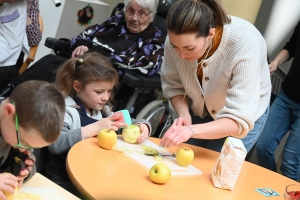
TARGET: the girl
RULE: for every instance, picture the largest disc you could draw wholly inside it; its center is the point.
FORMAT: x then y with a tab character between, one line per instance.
87	84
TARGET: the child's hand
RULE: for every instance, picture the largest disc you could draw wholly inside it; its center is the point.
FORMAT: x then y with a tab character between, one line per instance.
108	123
25	172
145	133
8	182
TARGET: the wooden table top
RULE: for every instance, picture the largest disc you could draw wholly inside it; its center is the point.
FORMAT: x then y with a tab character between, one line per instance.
40	182
107	174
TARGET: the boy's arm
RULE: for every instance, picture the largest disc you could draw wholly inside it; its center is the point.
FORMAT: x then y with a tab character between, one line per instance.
66	140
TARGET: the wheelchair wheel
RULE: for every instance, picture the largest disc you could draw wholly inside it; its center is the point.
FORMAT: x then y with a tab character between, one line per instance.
153	112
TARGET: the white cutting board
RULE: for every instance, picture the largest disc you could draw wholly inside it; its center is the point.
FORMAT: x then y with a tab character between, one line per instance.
135	151
44	192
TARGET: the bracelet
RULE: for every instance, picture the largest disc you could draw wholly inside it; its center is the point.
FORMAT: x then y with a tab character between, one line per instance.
191	130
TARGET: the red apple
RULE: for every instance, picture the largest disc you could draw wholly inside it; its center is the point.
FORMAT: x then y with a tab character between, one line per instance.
107	139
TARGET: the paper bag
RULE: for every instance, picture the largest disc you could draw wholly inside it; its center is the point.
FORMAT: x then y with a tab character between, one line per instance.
229	164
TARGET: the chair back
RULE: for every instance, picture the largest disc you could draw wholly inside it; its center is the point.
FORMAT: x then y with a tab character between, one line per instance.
161	14
32	50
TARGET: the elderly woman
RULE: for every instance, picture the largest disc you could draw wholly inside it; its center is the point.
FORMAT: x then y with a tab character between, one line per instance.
129	39
216	75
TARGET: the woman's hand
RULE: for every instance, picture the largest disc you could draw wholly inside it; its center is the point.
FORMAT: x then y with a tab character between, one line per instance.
79	51
109	123
25	172
176	135
272	67
145	133
8	182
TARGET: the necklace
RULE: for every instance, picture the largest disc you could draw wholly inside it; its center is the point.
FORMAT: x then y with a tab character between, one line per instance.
199	68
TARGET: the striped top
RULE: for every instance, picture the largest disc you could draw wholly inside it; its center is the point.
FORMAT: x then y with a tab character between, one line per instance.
236	79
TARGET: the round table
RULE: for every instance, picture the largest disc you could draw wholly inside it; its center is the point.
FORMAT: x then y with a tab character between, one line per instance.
106	174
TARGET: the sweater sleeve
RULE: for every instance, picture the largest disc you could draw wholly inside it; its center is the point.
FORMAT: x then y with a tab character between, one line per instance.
291	45
248	67
67	137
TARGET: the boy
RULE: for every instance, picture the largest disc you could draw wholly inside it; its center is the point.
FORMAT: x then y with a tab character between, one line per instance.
32	117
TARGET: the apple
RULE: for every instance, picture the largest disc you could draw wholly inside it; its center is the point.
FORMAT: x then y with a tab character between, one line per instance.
160	173
184	156
8	195
131	133
107	139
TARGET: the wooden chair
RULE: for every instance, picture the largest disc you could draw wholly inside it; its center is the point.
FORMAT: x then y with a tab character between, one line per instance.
32	50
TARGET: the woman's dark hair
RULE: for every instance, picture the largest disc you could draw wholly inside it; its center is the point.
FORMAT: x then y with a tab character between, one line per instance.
196	16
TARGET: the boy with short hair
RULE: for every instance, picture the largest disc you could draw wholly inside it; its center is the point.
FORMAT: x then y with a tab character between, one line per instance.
32	117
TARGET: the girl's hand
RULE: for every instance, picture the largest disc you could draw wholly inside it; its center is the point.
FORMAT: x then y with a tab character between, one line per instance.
109	123
176	135
145	133
8	182
79	51
25	172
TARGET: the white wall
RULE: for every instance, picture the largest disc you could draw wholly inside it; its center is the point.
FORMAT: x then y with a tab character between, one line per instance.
61	22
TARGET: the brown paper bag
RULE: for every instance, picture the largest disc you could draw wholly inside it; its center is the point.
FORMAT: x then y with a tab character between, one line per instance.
229	164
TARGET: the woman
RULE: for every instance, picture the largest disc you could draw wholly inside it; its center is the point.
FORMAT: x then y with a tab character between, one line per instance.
130	40
216	66
284	115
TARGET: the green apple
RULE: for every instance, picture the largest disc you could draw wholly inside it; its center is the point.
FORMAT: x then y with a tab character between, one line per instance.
160	173
131	133
107	139
184	156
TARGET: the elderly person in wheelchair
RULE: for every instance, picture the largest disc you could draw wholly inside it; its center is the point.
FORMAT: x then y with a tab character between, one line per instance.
129	39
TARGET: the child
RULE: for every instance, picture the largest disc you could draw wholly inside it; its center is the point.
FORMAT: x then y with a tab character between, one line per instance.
87	84
32	117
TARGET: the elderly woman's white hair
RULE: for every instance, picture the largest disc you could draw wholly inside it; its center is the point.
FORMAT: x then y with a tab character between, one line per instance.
147	4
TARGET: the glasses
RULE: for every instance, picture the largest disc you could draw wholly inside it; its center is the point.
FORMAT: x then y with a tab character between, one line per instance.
19	145
131	12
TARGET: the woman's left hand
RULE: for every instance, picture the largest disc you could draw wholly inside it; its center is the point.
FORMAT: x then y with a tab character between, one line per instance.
145	133
25	172
176	135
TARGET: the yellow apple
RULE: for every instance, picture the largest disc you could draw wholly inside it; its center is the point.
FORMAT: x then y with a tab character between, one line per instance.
160	173
131	133
184	156
107	139
9	195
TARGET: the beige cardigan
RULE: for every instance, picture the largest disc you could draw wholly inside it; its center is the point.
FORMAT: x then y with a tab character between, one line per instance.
236	79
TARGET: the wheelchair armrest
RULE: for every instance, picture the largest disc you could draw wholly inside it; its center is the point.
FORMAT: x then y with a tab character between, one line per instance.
137	81
57	44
